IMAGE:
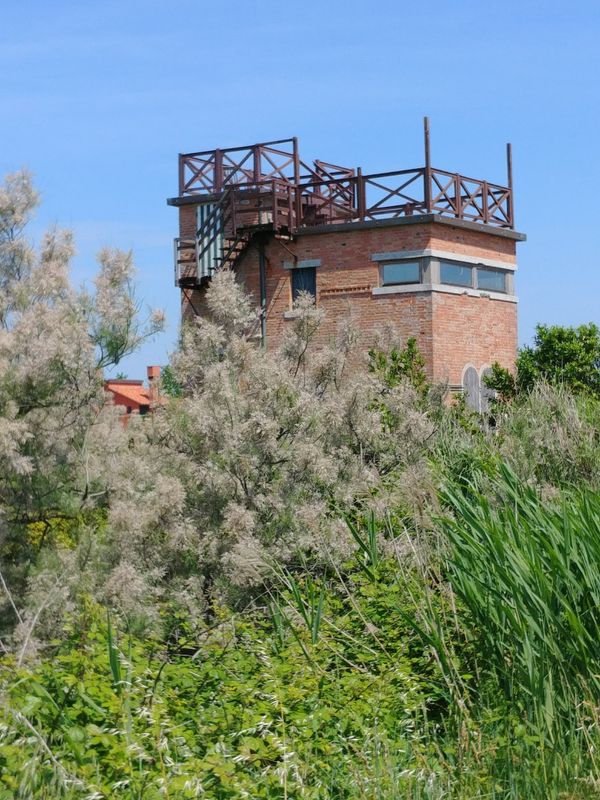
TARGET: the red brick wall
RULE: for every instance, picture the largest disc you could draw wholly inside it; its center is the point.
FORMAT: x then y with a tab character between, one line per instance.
474	243
471	330
452	330
192	304
187	221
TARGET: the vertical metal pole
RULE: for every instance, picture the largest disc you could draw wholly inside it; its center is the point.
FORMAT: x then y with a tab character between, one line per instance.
427	165
509	174
262	272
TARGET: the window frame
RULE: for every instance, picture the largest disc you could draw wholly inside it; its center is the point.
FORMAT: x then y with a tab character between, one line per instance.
495	270
295	272
399	262
461	264
433	263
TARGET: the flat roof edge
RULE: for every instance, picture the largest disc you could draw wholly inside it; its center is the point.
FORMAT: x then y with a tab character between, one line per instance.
191	199
417	219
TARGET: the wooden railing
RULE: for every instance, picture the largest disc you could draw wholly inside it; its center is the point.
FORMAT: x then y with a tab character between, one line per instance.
284	206
242	189
369	197
211	171
402	193
184	260
325	193
470	199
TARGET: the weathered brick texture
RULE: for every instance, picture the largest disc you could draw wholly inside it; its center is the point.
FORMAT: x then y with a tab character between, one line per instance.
453	331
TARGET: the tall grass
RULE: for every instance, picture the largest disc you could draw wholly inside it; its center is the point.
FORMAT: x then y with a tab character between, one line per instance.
527	574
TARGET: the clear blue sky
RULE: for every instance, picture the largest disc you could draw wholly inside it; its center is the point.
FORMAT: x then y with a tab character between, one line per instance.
99	97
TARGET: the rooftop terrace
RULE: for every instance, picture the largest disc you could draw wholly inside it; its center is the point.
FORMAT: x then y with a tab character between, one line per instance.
268	185
326	192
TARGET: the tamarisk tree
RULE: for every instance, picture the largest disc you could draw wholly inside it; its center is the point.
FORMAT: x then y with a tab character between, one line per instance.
54	342
279	442
255	462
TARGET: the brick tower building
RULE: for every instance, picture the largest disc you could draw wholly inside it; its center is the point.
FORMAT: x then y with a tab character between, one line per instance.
429	252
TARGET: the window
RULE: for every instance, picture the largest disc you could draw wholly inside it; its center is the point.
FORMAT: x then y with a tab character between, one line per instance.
395	272
304	280
492	279
455	273
472	388
477	394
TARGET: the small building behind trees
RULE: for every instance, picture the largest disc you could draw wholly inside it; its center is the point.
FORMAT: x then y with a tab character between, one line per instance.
132	395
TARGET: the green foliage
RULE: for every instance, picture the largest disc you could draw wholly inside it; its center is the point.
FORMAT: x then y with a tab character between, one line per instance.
398	365
567	356
315	715
113	655
169	383
367	542
378	682
550	437
502	381
298	580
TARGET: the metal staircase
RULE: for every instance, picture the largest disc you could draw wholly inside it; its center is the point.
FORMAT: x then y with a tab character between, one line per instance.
226	227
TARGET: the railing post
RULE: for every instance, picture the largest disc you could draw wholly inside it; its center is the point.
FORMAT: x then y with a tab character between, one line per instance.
218	177
298	198
176	260
484	202
360	195
181	174
296	160
297	201
510	201
457	197
256	164
232	203
427	176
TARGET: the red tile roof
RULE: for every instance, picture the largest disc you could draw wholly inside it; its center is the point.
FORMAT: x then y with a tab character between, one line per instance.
127	393
133	395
